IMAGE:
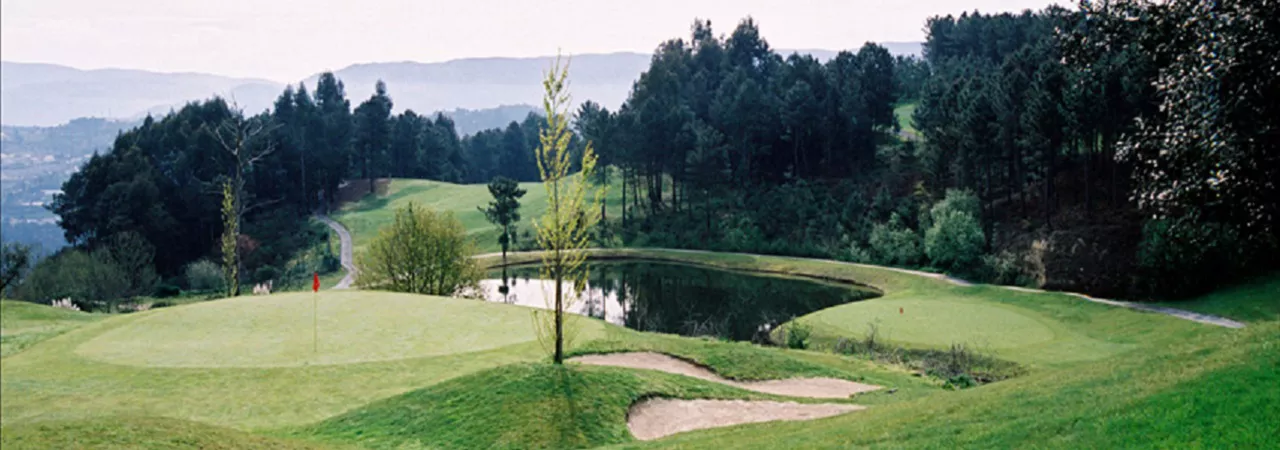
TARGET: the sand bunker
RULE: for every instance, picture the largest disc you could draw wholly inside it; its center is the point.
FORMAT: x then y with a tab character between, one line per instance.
792	387
655	418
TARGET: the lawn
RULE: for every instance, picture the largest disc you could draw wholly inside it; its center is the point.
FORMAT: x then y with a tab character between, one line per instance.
365	217
24	324
407	371
903	113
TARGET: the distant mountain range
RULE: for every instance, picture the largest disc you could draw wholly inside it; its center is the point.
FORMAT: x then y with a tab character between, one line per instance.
47	94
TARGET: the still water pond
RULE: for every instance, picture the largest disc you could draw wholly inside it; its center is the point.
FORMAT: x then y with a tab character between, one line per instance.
681	299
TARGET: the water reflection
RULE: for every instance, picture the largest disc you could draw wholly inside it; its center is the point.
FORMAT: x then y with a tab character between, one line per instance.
673	298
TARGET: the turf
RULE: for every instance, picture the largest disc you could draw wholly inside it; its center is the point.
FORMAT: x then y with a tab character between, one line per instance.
904	112
1097	376
517	406
365	217
1254	301
24	324
131	433
277	330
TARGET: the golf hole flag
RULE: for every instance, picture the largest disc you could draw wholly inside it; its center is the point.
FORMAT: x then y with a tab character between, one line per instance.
315	281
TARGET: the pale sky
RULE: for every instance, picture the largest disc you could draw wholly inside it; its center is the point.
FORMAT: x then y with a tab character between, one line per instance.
289	40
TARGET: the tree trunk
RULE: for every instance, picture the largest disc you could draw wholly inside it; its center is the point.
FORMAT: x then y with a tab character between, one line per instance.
559	356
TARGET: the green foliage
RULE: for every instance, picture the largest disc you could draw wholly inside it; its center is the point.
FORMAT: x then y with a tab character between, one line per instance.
565	229
954	241
230	241
1186	256
797	334
15	262
504	210
91	280
203	275
421	252
894	244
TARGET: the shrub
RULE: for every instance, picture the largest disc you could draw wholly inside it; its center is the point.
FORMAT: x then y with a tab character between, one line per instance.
1182	257
166	291
92	280
797	334
203	275
420	252
954	242
893	243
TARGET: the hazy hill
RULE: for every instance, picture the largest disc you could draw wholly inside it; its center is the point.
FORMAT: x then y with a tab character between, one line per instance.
48	94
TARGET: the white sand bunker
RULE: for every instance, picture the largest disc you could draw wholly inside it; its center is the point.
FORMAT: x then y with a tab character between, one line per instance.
792	387
656	418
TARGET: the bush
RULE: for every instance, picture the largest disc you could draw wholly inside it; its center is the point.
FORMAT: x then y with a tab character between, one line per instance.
1183	257
954	242
91	280
893	243
166	291
265	273
203	275
433	247
797	334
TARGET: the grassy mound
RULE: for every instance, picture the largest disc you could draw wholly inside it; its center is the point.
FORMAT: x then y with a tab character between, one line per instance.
277	330
518	406
1219	392
130	433
23	324
365	217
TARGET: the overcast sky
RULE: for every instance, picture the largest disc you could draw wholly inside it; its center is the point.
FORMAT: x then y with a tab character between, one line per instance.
288	40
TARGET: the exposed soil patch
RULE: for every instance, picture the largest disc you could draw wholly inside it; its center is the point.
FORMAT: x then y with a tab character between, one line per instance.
659	417
791	387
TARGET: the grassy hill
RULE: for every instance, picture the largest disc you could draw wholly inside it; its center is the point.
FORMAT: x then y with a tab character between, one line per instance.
24	324
365	217
409	371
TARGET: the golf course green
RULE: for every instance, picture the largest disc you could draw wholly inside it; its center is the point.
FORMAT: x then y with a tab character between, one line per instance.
369	369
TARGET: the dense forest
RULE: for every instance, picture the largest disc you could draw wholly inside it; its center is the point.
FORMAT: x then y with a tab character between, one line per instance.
1121	148
1124	148
157	190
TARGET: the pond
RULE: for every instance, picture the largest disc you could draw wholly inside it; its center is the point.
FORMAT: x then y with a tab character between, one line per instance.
680	299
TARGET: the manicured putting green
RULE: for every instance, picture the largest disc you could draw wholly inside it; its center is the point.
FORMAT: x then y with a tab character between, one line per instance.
276	330
937	323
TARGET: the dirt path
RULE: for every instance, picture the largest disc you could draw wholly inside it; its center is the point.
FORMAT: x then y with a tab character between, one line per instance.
791	387
659	417
345	254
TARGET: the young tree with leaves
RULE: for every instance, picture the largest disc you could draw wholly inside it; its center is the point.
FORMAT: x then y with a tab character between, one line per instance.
421	252
504	210
572	203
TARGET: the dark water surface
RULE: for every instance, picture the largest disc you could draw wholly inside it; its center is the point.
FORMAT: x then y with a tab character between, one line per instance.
682	299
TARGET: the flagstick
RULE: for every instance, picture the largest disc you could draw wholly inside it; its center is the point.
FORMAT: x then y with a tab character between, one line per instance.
315	321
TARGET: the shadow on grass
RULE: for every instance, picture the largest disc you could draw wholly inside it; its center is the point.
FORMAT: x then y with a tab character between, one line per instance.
370	203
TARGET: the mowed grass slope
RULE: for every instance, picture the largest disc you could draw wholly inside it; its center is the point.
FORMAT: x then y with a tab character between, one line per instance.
24	324
1097	376
247	363
365	217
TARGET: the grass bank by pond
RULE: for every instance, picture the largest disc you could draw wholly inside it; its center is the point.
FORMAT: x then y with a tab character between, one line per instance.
1097	376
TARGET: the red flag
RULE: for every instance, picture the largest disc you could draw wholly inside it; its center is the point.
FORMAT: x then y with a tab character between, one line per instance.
315	282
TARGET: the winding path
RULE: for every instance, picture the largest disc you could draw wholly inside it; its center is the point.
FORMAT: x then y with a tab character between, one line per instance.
345	254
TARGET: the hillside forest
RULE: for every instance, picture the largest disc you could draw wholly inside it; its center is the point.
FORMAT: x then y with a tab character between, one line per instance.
1123	148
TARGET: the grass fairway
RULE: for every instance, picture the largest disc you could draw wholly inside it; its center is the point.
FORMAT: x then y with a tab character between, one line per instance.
145	432
518	406
24	324
277	330
365	217
417	372
903	113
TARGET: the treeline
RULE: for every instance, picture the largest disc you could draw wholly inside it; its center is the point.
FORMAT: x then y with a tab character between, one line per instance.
159	189
1074	149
